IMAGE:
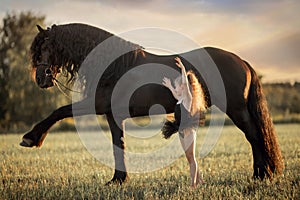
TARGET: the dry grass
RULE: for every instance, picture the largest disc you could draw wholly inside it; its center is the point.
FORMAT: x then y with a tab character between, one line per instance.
63	169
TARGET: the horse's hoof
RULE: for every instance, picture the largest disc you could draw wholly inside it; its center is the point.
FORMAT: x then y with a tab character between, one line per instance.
117	181
26	143
113	182
108	183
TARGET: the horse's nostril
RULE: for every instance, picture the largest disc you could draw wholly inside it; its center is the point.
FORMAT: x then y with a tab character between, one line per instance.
48	72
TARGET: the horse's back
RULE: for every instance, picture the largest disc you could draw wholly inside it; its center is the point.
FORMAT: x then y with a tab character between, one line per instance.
222	70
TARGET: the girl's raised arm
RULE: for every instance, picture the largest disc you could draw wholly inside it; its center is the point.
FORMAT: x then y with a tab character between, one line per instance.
183	72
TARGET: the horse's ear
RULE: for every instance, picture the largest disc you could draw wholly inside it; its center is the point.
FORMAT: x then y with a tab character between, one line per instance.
40	28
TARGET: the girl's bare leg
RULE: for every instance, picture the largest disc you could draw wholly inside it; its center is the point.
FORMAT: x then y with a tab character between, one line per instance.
188	143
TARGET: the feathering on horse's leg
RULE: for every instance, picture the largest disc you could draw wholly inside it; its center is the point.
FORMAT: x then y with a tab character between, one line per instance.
37	135
120	174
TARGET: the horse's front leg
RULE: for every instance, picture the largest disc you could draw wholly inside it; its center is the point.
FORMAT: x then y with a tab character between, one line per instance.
120	175
37	135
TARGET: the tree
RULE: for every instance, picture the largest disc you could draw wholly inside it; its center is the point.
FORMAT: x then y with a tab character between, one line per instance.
22	102
283	98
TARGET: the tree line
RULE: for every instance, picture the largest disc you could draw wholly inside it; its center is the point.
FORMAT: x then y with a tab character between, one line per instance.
22	103
283	100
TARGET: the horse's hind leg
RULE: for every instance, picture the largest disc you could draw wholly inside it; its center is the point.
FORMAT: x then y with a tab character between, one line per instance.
244	121
120	175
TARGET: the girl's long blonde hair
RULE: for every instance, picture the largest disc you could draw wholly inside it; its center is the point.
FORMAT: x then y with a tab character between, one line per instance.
198	100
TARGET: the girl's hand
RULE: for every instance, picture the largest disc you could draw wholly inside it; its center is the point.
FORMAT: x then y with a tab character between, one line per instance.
166	82
179	63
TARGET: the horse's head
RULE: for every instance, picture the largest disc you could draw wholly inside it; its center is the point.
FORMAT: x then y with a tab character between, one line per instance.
44	68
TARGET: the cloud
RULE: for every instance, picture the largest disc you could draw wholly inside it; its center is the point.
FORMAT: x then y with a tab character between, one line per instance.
282	52
198	6
269	27
277	58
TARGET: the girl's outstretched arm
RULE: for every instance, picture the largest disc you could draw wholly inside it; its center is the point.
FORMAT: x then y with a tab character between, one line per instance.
167	83
183	74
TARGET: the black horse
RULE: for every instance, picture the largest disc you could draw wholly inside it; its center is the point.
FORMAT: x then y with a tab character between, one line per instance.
239	94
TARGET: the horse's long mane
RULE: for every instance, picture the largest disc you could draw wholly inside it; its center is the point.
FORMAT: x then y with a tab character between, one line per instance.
69	44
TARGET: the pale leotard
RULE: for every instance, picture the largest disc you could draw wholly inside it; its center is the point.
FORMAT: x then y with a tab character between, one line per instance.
182	120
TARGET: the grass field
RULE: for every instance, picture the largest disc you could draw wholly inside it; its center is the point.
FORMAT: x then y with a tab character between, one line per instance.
63	169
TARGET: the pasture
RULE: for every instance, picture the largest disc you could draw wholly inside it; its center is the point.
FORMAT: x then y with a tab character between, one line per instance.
63	169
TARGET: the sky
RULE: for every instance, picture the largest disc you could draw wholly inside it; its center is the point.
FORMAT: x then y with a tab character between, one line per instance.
266	33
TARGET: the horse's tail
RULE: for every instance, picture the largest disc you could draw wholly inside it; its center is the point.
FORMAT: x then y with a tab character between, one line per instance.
257	106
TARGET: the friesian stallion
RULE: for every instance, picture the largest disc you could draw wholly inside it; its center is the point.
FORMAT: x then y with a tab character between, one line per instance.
64	48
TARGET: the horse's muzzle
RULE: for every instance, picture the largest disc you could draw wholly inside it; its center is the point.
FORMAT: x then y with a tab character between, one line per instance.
47	85
47	82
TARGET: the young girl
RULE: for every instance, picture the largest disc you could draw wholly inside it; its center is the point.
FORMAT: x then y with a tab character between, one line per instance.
187	115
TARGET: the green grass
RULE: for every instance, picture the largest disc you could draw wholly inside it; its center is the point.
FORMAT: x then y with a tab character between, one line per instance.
63	169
